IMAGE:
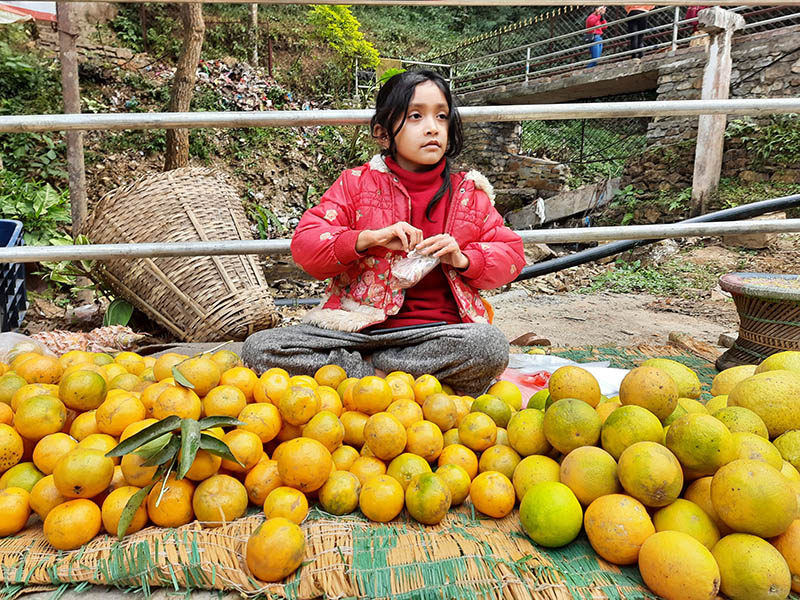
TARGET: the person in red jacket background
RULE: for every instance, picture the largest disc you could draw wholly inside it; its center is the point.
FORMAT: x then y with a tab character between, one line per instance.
404	199
597	19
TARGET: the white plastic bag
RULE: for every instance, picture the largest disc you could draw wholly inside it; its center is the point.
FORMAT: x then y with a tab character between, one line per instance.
410	270
13	344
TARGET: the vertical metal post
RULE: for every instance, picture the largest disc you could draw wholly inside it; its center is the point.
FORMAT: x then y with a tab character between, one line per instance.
676	17
269	51
355	77
254	33
68	55
527	64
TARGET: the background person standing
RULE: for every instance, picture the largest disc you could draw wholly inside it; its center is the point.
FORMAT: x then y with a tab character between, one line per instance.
597	19
638	26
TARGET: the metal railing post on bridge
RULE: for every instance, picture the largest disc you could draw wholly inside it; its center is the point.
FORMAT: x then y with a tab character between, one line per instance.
675	20
527	65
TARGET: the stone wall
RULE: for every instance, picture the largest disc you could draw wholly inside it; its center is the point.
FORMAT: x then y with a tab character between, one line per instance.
493	149
765	65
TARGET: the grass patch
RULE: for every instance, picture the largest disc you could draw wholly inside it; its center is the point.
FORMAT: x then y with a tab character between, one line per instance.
673	278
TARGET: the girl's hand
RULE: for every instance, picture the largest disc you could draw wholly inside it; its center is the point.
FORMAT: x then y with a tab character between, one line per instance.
445	248
400	236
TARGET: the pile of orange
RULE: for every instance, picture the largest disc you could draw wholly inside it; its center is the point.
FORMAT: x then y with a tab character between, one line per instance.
623	469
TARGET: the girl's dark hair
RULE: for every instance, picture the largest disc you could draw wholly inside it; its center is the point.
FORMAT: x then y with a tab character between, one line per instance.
391	107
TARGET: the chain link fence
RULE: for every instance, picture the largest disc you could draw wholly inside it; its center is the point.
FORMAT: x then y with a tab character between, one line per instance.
591	147
554	41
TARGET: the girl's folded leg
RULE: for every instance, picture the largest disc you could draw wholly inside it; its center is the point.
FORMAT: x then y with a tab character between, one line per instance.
302	349
466	356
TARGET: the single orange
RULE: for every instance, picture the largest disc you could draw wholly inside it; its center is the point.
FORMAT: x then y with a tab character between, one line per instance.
261	418
365	467
458	454
381	498
424	386
170	504
40	416
298	404
243	378
16	508
179	401
330	375
113	506
218	500
164	363
50	449
326	428
354	423
407	411
82	390
271	386
40	369
371	395
72	524
288	503
261	480
246	447
203	373
329	400
344	457
304	464
425	439
224	401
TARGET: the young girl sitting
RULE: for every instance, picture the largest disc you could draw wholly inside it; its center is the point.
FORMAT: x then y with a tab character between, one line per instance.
404	199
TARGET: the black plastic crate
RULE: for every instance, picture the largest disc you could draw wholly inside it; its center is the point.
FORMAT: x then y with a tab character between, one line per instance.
13	298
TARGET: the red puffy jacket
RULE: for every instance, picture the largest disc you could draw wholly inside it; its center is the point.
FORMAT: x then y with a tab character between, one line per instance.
362	291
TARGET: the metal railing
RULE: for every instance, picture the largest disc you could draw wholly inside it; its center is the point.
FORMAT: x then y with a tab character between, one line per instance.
554	43
299	118
28	254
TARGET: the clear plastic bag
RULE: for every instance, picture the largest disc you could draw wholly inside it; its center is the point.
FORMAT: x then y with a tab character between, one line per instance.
13	344
410	270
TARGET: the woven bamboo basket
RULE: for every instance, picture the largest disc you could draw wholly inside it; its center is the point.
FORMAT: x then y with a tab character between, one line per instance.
200	298
769	314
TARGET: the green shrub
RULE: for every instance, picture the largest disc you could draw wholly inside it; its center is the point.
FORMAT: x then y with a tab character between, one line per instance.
42	209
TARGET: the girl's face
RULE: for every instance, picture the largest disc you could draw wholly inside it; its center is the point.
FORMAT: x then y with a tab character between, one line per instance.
422	141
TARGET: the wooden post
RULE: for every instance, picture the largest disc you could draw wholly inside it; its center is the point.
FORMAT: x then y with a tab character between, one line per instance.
720	25
68	55
254	34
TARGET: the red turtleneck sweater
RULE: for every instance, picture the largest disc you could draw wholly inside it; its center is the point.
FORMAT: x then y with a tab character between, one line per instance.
431	299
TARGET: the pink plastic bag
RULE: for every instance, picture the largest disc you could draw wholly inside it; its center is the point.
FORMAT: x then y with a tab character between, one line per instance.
528	383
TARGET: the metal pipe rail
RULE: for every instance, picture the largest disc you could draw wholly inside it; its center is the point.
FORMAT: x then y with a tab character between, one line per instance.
474	2
472	114
29	254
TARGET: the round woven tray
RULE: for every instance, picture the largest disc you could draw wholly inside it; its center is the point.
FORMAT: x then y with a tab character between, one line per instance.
769	314
198	299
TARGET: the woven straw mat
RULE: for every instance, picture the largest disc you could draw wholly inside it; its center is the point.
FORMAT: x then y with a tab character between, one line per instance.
199	298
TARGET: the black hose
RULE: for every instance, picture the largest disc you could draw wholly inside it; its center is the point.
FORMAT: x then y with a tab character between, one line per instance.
745	211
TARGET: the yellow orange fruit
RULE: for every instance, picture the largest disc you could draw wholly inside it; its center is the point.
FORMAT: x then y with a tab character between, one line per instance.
50	449
371	395
339	495
526	432
458	454
326	428
699	492
381	498
492	493
344	457
571	381
407	466
508	392
82	390
275	550
424	386
72	524
407	411
23	475
218	500
298	404
135	473
9	384
45	496
551	514
590	472
788	544
135	428
428	498
457	481
261	480
401	389
686	516
354	423
112	508
651	388
241	377
676	566
83	473
169	504
750	567
40	369
286	502
99	441
226	359
178	401
502	459
304	464
365	467
261	418
246	446
204	466
627	425
224	401
15	508
385	435
117	412
271	386
440	410
329	400
617	526
701	442
477	431
425	439
11	447
650	473
330	375
570	423
202	372
39	416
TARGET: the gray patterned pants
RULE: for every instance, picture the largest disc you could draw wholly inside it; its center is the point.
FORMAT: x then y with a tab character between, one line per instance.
466	356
